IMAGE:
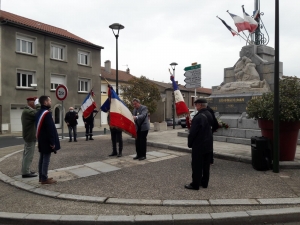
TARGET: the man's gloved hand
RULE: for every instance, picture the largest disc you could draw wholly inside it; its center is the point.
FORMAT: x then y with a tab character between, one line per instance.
36	102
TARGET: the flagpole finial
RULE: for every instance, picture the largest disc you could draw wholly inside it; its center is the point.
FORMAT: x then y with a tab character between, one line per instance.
227	11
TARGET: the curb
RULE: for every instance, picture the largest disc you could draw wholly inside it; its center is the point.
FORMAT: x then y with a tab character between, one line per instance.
240	217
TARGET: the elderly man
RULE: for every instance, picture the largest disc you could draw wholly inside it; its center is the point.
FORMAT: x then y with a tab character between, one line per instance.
200	139
71	120
142	126
28	132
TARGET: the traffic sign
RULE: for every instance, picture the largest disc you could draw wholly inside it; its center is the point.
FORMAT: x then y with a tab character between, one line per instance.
191	80
192	67
61	92
192	85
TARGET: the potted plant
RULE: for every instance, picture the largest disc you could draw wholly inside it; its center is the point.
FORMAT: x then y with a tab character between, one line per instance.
262	109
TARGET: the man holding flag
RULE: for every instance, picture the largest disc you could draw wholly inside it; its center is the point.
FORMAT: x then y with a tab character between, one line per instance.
88	108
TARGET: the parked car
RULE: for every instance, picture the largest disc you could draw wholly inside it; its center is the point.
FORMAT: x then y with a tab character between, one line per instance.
169	121
183	119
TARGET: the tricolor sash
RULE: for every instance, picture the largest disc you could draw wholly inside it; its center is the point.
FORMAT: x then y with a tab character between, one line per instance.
40	122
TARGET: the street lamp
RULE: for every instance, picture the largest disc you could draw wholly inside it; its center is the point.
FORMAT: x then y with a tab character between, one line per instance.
173	64
117	27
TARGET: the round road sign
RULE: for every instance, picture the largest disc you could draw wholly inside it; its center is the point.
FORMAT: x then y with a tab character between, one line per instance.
61	92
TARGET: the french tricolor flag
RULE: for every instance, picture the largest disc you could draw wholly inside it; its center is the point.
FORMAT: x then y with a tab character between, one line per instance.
88	105
253	24
240	23
181	108
120	115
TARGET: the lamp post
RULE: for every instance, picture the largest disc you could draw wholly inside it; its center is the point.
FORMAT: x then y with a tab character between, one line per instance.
173	64
117	27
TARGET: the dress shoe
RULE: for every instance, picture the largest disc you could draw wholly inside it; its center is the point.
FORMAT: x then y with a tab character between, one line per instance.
204	186
49	181
142	158
120	155
30	175
91	138
49	178
113	154
189	186
136	157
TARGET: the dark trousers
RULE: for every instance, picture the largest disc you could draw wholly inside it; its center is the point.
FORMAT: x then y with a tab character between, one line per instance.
43	165
89	129
200	168
74	128
116	136
141	143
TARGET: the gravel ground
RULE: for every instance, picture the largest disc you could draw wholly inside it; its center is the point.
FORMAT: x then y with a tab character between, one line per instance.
159	180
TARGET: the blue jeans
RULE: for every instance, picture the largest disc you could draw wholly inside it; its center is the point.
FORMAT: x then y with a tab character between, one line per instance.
43	165
74	128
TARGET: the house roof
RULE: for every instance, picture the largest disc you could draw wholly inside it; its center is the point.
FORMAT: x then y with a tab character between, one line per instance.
36	25
182	88
122	75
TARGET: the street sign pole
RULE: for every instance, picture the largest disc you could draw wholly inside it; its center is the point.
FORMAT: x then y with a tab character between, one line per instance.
62	120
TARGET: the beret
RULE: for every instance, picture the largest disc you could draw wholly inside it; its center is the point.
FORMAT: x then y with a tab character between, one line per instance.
200	100
31	98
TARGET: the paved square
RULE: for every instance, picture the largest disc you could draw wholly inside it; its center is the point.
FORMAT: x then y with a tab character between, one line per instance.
102	167
157	154
84	172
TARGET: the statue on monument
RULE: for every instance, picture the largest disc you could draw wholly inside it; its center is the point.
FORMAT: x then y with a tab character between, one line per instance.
246	79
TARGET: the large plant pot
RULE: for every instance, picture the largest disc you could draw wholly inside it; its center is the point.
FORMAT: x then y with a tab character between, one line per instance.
288	137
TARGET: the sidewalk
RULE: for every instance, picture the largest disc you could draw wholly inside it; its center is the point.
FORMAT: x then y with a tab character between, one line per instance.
93	187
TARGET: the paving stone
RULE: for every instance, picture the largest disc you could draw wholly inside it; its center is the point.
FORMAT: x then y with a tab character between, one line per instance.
276	201
43	217
134	201
13	215
233	202
84	172
69	168
102	167
157	154
78	218
61	176
83	198
154	219
116	218
23	185
230	218
46	192
192	219
185	202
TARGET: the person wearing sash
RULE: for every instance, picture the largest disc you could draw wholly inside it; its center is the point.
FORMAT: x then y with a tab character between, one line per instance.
47	137
28	132
142	126
200	139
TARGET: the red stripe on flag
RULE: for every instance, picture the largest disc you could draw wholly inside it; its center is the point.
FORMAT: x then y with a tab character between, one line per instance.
119	121
181	108
89	110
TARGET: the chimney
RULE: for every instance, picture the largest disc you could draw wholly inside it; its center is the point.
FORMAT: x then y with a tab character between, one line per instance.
128	71
107	64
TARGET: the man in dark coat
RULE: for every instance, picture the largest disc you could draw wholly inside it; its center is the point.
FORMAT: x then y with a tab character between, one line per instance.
71	120
89	125
214	129
200	139
47	137
142	125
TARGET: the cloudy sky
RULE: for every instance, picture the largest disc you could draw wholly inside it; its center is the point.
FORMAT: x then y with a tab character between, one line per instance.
159	32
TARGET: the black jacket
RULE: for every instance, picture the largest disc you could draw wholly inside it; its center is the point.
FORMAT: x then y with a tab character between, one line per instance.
90	118
71	118
215	125
200	138
48	133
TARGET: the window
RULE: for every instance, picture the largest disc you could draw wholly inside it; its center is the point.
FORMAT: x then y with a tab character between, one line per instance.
83	85
25	44
83	58
57	80
58	52
25	78
104	89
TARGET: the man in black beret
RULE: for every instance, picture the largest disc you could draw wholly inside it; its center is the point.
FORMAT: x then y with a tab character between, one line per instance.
200	139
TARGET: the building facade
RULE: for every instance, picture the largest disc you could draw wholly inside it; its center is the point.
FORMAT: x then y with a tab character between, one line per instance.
34	59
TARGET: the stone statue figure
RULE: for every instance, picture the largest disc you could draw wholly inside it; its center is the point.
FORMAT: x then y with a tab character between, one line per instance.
246	79
245	70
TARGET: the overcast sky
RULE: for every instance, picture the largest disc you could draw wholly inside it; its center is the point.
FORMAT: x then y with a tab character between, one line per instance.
159	32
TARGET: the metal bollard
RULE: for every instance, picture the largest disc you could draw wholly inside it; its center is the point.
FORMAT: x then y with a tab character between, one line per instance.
104	130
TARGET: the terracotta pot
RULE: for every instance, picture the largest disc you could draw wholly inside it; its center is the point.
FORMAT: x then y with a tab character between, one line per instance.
288	137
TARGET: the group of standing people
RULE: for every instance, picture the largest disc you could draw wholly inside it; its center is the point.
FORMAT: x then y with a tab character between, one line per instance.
38	125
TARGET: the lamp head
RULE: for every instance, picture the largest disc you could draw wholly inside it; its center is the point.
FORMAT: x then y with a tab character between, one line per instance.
116	26
173	64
